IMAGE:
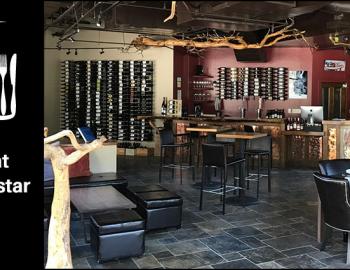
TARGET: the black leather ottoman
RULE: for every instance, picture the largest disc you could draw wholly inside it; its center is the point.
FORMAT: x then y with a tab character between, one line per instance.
117	234
158	206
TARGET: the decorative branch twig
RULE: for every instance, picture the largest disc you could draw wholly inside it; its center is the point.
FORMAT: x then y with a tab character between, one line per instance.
236	42
337	43
59	253
172	13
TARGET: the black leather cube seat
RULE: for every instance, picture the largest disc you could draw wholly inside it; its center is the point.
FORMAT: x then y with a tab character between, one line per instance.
117	234
148	188
159	199
158	206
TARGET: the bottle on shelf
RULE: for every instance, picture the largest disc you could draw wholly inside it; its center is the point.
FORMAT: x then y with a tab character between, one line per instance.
288	124
298	123
164	106
294	124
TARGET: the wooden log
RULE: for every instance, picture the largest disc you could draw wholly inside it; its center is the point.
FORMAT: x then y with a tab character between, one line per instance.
59	253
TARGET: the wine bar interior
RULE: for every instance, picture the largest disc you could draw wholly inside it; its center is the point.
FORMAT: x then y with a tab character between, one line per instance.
197	134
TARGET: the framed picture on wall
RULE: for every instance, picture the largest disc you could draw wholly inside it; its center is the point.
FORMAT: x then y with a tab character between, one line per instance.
297	84
334	65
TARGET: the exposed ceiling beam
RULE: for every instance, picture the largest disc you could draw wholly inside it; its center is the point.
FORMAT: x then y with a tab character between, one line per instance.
284	3
208	8
307	7
64	14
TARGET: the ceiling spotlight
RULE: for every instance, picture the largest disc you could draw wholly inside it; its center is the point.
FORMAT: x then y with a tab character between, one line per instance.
102	51
99	20
71	39
68	52
76	52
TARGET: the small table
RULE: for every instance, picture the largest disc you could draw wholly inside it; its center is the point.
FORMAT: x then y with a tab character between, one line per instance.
239	135
214	129
242	137
208	129
90	200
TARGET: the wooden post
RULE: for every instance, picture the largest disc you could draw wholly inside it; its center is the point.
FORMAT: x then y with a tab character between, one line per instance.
59	253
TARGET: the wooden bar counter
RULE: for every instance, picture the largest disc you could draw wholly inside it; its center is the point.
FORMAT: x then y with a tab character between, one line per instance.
274	127
289	148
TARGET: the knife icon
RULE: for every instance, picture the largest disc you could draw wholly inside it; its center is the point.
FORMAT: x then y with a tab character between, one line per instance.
13	82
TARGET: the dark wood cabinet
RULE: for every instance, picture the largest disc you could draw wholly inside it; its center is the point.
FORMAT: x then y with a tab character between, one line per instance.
334	97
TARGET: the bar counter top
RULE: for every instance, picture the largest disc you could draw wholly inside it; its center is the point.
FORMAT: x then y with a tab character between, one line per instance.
336	122
212	119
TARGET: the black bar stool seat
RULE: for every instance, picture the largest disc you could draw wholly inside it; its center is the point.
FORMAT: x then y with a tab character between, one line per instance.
167	141
214	155
261	147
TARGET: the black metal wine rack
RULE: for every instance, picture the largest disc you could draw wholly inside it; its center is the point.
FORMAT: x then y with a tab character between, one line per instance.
107	96
237	83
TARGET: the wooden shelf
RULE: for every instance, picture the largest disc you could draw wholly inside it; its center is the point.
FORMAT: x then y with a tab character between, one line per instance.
302	133
202	88
194	101
202	76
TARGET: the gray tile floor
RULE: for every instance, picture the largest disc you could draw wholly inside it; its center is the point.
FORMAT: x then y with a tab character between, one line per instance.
277	231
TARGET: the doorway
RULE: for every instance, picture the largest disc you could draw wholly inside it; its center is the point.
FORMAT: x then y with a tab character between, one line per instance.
334	99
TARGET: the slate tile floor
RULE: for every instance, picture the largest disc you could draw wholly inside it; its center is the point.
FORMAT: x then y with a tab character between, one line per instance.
278	231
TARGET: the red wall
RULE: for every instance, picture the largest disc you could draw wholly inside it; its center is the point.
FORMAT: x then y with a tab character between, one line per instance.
292	58
184	67
320	75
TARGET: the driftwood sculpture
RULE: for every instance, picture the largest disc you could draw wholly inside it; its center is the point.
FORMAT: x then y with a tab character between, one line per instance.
59	253
234	41
335	39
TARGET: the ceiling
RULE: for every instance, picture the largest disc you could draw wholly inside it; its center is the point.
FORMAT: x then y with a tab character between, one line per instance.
251	18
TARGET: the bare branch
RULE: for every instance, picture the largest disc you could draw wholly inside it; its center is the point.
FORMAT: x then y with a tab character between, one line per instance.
215	41
172	13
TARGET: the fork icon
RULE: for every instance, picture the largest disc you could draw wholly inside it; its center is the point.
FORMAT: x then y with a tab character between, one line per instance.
3	71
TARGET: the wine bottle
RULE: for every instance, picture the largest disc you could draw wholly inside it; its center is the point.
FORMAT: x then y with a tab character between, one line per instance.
164	106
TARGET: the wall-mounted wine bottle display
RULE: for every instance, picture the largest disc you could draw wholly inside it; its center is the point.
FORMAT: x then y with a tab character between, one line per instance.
107	96
237	83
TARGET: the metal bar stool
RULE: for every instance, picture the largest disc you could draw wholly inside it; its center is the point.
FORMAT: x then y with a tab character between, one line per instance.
261	147
167	141
214	155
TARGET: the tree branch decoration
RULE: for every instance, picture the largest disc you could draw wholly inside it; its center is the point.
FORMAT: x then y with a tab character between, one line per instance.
335	40
59	253
234	41
172	12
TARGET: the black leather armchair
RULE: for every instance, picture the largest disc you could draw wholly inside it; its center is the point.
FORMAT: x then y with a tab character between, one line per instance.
334	167
335	200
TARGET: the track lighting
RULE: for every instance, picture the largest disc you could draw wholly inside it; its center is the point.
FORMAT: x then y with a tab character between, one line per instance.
76	52
68	52
99	20
102	51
